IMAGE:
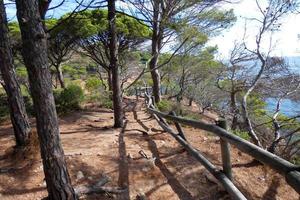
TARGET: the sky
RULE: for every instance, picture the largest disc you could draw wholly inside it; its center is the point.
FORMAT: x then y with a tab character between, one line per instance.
286	40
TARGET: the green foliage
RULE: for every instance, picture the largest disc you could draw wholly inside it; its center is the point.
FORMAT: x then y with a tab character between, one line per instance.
106	102
241	134
296	160
102	98
75	72
165	105
92	84
68	99
22	72
218	18
92	22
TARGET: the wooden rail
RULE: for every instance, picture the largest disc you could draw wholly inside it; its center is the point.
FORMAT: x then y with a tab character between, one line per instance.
289	170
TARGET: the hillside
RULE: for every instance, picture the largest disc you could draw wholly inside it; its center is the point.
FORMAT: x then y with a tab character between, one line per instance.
93	150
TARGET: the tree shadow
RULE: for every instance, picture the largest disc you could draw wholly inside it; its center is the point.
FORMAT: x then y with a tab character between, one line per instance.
253	163
123	180
271	193
177	187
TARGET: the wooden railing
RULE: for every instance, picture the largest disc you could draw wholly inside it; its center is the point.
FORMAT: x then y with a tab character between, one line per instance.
224	176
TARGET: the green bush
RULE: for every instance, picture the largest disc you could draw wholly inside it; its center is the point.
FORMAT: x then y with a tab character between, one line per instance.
296	160
69	98
93	84
241	134
165	105
102	98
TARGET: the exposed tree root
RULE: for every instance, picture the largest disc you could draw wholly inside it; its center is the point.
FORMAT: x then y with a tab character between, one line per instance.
99	188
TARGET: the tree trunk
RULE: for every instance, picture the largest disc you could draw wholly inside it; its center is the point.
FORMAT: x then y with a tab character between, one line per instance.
234	110
17	108
60	76
109	80
156	43
191	101
36	61
113	50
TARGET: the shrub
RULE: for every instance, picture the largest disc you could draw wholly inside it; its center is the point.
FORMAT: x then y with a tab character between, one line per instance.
93	84
165	105
101	98
69	98
241	134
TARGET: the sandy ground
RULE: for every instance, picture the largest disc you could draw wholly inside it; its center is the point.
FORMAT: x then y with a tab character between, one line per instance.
94	149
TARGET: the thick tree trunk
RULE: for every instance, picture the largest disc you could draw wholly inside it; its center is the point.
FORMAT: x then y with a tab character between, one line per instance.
60	76
156	43
18	113
113	48
36	61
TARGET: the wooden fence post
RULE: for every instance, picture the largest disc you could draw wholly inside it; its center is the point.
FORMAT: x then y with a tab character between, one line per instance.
153	100
225	151
178	127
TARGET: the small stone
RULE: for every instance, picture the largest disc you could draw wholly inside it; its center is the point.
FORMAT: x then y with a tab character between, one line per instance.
90	178
79	175
44	184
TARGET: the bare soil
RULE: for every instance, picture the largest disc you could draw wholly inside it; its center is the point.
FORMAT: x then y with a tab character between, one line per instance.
94	149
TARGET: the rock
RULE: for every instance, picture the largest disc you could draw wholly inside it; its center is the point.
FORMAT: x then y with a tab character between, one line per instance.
90	178
79	175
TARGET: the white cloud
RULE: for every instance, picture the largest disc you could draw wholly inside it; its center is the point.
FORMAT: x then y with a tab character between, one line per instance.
287	42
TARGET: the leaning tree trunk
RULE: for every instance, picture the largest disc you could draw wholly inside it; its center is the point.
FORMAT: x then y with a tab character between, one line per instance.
60	76
18	113
36	61
113	50
156	43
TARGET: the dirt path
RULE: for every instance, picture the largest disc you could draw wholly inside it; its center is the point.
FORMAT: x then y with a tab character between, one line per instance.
93	149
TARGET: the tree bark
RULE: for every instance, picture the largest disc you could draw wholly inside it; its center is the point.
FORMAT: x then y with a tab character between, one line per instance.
60	76
16	103
234	110
156	43
36	61
191	101
113	50
109	80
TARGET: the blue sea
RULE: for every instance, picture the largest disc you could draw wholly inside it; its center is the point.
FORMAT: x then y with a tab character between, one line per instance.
288	107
